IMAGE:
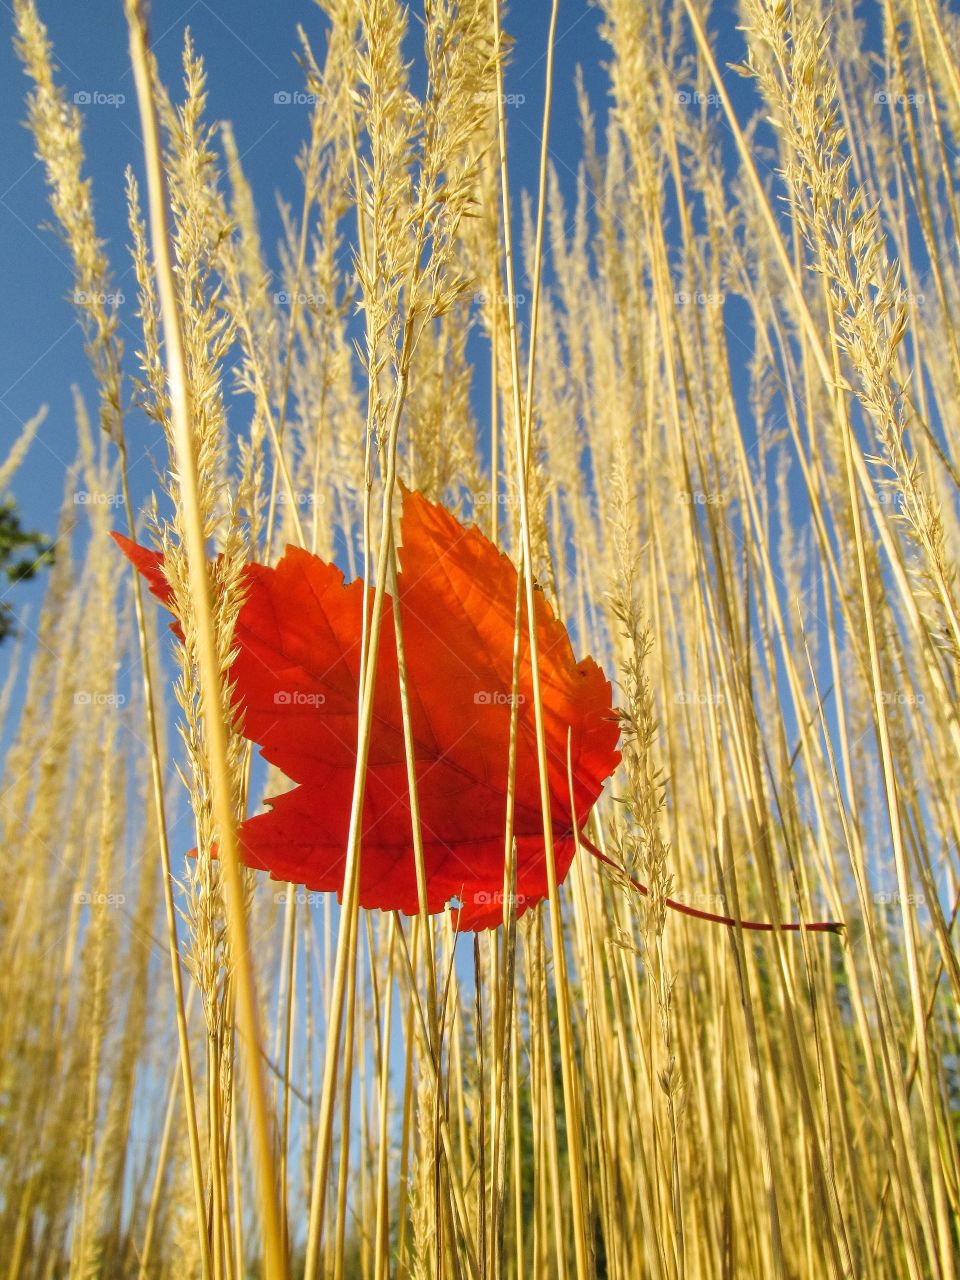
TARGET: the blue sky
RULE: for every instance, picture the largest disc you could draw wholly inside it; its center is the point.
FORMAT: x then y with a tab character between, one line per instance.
249	52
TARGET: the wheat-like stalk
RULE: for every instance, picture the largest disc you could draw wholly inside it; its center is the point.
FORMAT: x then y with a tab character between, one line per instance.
723	371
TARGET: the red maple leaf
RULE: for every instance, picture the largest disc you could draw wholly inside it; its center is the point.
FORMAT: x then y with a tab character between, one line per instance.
296	677
296	691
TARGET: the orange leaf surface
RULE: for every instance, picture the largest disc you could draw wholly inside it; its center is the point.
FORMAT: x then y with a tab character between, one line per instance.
297	685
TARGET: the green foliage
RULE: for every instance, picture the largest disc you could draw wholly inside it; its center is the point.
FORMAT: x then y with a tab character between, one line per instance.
22	553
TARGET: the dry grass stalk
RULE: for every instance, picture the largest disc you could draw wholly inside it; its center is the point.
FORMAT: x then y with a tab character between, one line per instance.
760	547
